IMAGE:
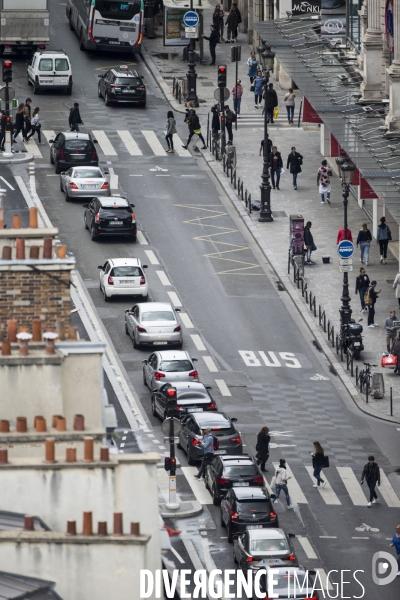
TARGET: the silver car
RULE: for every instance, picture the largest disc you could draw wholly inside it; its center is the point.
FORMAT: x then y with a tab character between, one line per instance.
84	182
167	367
153	324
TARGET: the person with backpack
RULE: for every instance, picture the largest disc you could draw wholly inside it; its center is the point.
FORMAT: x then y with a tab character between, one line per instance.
207	444
371	474
294	162
364	239
230	118
262	447
36	126
171	129
194	128
239	19
370	299
362	284
74	118
218	22
281	479
318	462
232	23
383	236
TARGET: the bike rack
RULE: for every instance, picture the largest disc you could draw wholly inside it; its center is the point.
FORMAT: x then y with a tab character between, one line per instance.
331	334
357	375
349	361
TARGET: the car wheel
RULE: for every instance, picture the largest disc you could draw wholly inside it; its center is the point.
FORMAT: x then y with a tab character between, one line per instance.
234	557
216	499
70	25
230	538
106	298
179	446
35	90
222	521
86	227
81	44
133	238
126	326
29	81
106	100
144	379
135	345
190	460
153	407
99	92
51	159
58	170
61	185
68	91
92	234
145	298
67	198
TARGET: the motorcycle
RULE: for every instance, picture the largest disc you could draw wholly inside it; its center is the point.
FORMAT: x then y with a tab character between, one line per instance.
353	338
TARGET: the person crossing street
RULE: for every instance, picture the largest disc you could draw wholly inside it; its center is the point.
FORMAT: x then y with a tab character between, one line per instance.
262	447
396	544
75	118
318	462
281	479
371	474
194	128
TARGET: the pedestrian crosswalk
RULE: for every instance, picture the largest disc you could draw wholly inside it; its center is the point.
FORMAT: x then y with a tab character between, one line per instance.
257	120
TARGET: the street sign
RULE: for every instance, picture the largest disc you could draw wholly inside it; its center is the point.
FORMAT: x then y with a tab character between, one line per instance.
191	29
165	426
345	261
11	93
345	249
217	94
191	34
345	268
191	19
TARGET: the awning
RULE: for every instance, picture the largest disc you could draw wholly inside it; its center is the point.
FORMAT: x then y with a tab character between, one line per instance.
330	82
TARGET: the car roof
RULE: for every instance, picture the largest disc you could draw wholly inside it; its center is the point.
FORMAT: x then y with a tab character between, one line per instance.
51	52
215	418
119	262
194	386
81	168
111	201
236	458
174	355
251	493
267	534
125	72
155	306
74	135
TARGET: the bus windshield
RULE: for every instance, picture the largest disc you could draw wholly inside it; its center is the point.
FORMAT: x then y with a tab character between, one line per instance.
122	11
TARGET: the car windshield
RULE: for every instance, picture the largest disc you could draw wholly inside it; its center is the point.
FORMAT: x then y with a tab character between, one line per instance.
83	173
170	366
273	545
46	64
123	11
62	64
122	212
249	506
128	81
77	145
158	315
241	471
126	272
193	396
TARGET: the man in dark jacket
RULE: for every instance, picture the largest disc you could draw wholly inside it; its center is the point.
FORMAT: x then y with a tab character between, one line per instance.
239	18
395	350
75	118
232	23
271	102
276	164
362	285
294	162
213	41
373	295
372	474
229	116
269	146
194	128
309	242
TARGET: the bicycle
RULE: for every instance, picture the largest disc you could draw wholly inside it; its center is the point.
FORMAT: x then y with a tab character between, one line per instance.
364	526
366	379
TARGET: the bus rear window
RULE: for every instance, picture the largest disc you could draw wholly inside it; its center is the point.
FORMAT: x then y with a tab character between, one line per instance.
121	11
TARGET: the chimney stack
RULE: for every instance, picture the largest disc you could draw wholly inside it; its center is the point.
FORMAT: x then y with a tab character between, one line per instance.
33	217
71	527
29	523
4	426
87	523
3	457
21	425
88	449
79	423
50	450
118	525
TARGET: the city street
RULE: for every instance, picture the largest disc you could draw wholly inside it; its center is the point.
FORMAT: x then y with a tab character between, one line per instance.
252	346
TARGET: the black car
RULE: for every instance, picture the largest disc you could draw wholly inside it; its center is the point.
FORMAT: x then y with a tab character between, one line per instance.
191	397
246	508
72	149
110	216
263	548
293	582
227	472
122	85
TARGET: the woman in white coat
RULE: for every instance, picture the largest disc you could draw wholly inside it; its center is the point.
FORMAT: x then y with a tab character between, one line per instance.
396	287
281	479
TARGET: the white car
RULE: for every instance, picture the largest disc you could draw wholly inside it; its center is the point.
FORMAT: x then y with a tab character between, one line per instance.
123	277
154	324
50	70
168	366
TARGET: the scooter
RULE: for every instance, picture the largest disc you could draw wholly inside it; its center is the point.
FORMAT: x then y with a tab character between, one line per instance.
353	338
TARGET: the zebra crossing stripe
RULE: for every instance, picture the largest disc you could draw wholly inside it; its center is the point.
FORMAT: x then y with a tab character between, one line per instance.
130	143
308	549
295	491
32	147
352	486
326	493
154	143
49	134
104	143
388	493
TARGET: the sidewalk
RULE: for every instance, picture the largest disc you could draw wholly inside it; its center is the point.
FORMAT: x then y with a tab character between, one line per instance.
324	280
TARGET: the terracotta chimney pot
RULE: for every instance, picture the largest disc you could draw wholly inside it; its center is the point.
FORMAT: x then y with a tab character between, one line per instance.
20	249
79	423
12	330
7	251
16	222
118	524
5	348
50	450
4	426
33	217
21	425
29	523
87	523
88	449
3	456
71	527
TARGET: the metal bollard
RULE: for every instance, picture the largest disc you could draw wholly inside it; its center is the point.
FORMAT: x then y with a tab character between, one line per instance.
391	402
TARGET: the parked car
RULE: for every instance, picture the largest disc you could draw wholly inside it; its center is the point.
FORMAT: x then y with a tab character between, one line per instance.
72	149
123	277
191	398
122	85
50	70
262	548
246	508
84	182
227	472
222	427
293	582
168	366
155	324
110	216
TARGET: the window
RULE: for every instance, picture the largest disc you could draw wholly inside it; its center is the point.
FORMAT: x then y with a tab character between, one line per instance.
107	267
61	64
121	11
46	64
248	507
128	81
174	366
353	22
78	145
126	272
240	471
274	545
158	315
87	173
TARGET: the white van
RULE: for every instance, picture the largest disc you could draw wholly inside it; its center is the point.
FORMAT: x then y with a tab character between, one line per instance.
50	70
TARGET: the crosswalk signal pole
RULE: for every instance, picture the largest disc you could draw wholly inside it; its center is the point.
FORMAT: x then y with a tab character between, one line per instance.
170	462
222	74
7	78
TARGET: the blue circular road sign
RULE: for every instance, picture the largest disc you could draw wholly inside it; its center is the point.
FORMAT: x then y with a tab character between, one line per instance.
191	19
345	249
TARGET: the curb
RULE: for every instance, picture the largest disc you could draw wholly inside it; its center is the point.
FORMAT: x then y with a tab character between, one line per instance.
186	509
16	159
152	67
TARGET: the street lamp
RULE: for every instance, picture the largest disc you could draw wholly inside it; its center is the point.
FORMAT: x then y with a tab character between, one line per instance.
191	75
346	169
267	60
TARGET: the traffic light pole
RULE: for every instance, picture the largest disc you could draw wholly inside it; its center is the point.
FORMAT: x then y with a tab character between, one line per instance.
172	503
191	75
8	131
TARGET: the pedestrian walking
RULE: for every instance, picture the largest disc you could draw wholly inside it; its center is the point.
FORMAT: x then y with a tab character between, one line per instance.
396	544
171	129
323	181
19	121
364	239
237	93
157	8
74	119
370	301
232	23
383	236
341	235
396	287
239	18
276	165
294	162
258	89
372	476
218	22
289	100
309	242
262	447
215	122
391	331
395	351
318	462
281	479
269	146
207	443
254	67
213	41
27	118
230	118
194	128
362	285
271	102
36	125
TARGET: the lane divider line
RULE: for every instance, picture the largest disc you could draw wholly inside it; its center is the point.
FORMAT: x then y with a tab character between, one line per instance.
306	545
223	388
163	278
141	239
212	367
152	257
198	342
174	299
186	320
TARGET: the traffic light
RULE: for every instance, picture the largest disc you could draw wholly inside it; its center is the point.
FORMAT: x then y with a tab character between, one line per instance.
171	402
222	71
167	463
7	71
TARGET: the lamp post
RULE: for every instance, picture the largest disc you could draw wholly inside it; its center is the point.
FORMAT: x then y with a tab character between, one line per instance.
191	75
267	59
346	169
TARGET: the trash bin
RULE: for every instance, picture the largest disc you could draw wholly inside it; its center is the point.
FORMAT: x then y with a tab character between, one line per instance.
378	386
326	259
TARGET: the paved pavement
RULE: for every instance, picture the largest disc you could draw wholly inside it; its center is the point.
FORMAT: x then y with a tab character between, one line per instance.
324	280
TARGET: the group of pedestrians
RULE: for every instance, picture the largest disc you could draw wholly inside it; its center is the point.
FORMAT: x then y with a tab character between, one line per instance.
27	122
232	22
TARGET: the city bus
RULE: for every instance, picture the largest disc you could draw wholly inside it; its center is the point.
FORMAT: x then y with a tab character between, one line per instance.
111	25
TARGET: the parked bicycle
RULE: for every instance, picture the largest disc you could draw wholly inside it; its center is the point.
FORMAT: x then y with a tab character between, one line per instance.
366	379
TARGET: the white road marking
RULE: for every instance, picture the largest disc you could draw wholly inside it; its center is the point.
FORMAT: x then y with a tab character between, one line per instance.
141	239
354	537
212	367
154	143
174	299
163	484
305	544
123	438
152	257
295	492
178	556
163	278
198	342
352	486
223	388
150	435
122	445
388	492
113	179
49	134
326	583
130	143
328	537
32	147
104	143
198	487
125	432
326	493
194	557
135	175
6	182
178	147
186	321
